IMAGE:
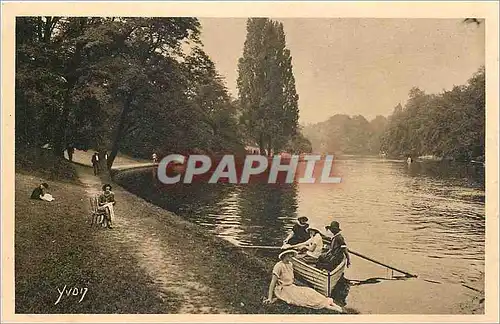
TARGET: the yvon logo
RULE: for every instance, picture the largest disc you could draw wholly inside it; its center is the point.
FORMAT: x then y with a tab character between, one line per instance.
177	168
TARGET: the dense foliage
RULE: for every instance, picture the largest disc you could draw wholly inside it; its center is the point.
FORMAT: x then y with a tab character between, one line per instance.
139	85
450	124
447	125
267	94
130	84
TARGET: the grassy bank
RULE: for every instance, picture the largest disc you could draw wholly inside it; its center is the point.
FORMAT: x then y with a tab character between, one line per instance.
55	247
123	268
238	278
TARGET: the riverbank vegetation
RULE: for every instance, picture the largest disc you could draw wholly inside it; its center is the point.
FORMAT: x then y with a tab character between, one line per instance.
44	165
447	125
450	124
143	85
119	84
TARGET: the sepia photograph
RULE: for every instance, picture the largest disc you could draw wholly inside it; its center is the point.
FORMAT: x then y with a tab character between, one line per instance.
255	163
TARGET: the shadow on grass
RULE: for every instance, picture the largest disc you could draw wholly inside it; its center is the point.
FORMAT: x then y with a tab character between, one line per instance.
281	307
43	164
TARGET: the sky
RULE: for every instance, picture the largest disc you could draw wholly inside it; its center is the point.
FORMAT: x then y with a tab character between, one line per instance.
358	66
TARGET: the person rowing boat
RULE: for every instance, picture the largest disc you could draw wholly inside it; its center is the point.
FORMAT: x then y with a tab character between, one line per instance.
337	251
331	259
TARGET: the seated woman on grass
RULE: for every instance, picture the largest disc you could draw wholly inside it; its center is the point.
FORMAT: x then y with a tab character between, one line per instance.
106	202
282	285
41	193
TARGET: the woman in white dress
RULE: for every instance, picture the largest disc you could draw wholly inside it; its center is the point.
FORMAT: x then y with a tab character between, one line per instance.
311	249
282	285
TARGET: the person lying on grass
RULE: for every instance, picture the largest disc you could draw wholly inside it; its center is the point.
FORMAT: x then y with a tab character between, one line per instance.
283	286
41	193
106	202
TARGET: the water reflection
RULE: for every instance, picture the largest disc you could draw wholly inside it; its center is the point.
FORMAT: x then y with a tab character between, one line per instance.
426	216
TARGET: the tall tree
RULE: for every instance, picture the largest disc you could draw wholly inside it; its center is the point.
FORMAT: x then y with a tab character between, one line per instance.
211	100
267	94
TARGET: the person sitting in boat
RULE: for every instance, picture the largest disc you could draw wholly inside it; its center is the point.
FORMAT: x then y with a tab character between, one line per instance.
299	232
283	286
337	251
312	248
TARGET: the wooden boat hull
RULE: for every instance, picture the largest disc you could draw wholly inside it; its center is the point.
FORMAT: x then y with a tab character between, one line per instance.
322	281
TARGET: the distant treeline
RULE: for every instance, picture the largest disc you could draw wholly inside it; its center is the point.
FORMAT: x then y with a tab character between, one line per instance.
347	135
450	124
447	125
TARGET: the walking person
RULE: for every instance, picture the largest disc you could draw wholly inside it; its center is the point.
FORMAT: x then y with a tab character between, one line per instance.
106	156
155	158
95	163
71	150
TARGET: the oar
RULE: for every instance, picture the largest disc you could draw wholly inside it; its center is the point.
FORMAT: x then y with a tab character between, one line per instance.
380	263
263	247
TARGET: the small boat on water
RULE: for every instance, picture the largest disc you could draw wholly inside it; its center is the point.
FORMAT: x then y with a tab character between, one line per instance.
322	281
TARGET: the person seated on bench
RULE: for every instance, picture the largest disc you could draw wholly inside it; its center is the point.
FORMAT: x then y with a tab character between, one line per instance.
41	194
106	201
311	249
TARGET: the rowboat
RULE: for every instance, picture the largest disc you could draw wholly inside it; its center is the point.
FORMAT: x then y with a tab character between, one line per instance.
322	280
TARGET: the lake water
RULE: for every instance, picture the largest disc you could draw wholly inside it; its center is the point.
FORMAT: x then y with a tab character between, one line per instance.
427	218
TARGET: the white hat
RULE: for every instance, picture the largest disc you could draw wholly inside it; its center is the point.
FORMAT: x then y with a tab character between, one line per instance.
282	254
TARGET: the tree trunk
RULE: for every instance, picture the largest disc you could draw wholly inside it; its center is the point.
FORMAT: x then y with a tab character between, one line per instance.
60	133
261	145
71	77
119	132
